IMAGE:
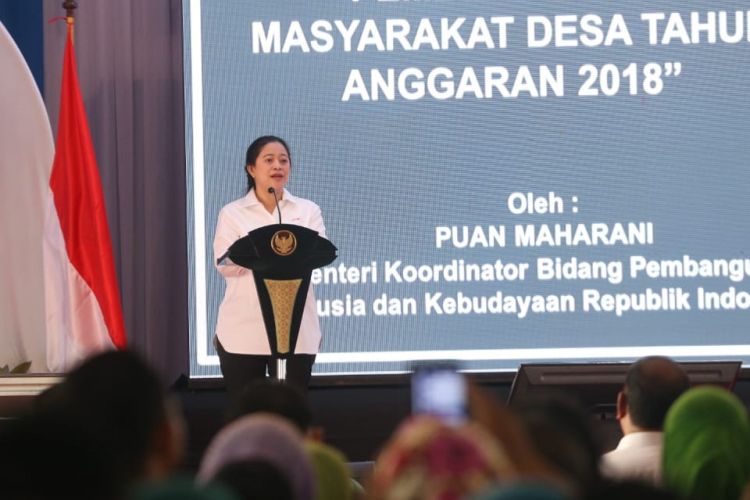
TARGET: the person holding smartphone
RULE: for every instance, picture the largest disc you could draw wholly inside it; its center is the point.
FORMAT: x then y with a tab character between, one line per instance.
441	391
240	339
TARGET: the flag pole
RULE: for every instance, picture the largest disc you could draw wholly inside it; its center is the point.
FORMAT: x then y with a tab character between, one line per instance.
70	6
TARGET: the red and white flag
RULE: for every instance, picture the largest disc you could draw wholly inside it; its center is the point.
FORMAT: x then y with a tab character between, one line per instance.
83	308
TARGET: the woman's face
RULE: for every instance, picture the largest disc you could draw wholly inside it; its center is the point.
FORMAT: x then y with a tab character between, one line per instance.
271	168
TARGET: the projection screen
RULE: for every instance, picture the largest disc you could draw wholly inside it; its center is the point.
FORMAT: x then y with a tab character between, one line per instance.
506	181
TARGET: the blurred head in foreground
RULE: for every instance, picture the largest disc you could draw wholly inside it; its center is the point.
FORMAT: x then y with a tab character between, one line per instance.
707	445
427	458
261	437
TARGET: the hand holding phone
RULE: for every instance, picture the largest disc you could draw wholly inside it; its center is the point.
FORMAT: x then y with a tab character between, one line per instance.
440	391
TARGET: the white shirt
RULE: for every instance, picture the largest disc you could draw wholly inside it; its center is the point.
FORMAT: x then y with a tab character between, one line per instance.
239	326
637	456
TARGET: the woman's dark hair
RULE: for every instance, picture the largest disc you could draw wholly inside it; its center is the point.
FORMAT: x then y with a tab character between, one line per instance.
255	479
562	431
269	396
253	150
119	399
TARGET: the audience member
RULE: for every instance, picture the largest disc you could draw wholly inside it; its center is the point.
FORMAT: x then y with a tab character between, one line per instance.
522	491
271	396
181	489
120	401
561	431
255	480
332	477
513	435
46	457
262	437
629	489
109	427
652	384
707	445
427	458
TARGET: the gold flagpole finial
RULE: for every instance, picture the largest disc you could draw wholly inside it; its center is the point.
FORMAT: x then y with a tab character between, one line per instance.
69	6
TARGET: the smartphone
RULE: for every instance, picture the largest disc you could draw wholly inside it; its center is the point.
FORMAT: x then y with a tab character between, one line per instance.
440	391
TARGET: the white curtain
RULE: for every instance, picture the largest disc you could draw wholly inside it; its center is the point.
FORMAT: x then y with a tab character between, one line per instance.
26	153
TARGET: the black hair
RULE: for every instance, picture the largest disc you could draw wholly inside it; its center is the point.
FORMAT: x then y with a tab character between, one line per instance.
269	396
651	386
563	432
121	402
254	149
629	489
51	456
255	479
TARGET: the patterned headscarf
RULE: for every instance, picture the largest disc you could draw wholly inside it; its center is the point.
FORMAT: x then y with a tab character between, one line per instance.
707	445
429	459
265	437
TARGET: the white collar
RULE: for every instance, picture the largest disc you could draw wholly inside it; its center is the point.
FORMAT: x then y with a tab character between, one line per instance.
250	199
643	438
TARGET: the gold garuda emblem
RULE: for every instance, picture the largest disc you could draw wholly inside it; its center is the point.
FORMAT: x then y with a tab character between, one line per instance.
283	242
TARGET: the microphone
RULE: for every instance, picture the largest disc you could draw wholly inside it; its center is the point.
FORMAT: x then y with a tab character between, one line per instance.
278	208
